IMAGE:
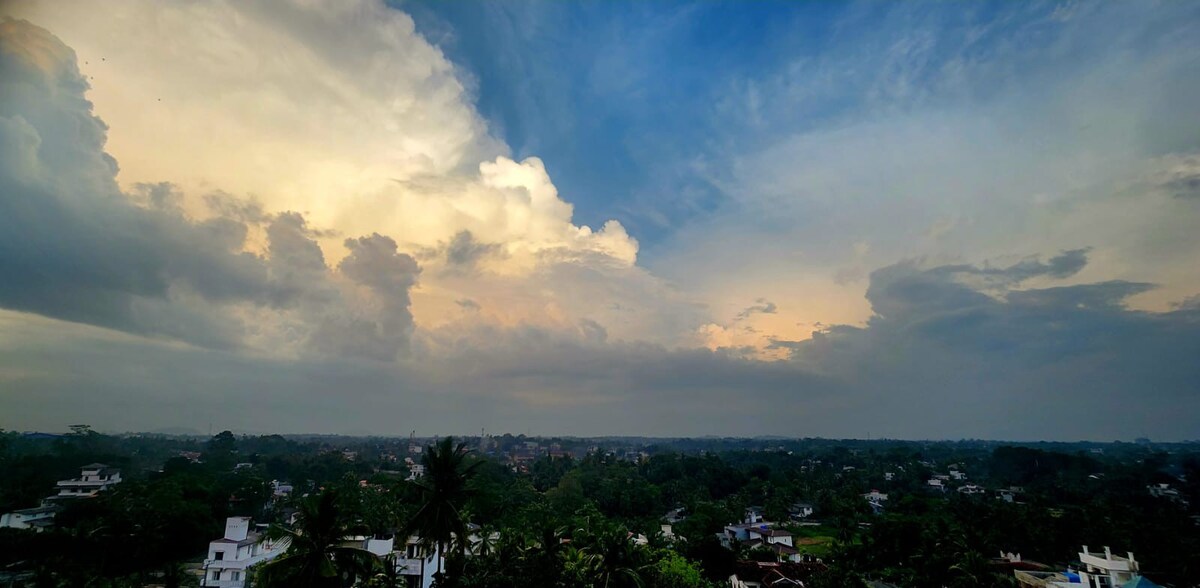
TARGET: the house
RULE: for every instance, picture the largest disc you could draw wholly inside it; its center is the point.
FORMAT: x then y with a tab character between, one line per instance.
935	484
957	475
416	561
93	478
769	535
800	510
668	533
38	518
875	496
415	471
783	553
1164	490
756	574
875	500
240	548
754	514
776	540
972	490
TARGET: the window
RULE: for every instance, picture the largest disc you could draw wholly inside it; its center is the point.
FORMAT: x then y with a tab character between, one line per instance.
219	555
235	576
216	574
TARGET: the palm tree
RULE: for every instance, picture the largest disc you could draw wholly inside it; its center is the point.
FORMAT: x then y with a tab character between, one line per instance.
616	562
315	557
444	493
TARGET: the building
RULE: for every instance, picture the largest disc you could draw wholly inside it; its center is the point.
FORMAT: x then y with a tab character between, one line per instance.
1104	569
37	518
417	562
415	471
754	574
231	557
93	479
876	496
1095	570
972	489
800	510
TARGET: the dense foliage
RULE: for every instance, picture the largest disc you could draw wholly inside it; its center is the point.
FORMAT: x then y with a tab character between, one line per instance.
572	521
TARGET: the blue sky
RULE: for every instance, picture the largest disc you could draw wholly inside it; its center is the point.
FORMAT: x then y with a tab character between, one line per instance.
618	98
623	99
918	219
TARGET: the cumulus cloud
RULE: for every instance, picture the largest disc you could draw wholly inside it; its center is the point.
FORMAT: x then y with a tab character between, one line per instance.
74	246
295	242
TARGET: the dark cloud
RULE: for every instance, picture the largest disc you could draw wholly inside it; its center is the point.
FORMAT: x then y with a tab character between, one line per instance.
760	306
1022	363
73	246
374	263
467	304
464	251
1063	265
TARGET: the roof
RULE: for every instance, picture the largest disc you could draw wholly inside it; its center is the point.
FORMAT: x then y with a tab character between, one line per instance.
94	466
250	539
777	574
769	532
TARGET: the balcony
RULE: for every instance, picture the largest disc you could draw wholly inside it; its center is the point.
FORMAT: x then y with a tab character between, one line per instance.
1097	560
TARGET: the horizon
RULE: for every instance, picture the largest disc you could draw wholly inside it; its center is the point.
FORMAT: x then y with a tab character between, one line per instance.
196	434
911	221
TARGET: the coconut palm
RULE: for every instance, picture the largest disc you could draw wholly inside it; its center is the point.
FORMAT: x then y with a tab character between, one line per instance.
444	493
315	557
615	560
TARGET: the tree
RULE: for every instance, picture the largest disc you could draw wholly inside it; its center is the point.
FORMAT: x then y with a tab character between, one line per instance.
675	571
315	557
444	491
220	451
618	562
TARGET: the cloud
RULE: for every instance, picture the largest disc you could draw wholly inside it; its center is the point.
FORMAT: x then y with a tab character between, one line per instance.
281	224
464	251
761	306
949	136
75	247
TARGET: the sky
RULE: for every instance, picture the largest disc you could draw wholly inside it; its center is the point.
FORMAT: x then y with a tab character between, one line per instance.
916	220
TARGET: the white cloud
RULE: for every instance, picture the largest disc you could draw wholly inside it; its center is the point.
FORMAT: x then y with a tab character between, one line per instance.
343	112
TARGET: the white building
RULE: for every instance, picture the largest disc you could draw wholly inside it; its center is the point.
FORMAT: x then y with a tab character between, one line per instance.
37	518
800	510
417	562
1102	570
415	471
231	557
93	478
1097	570
972	489
876	496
